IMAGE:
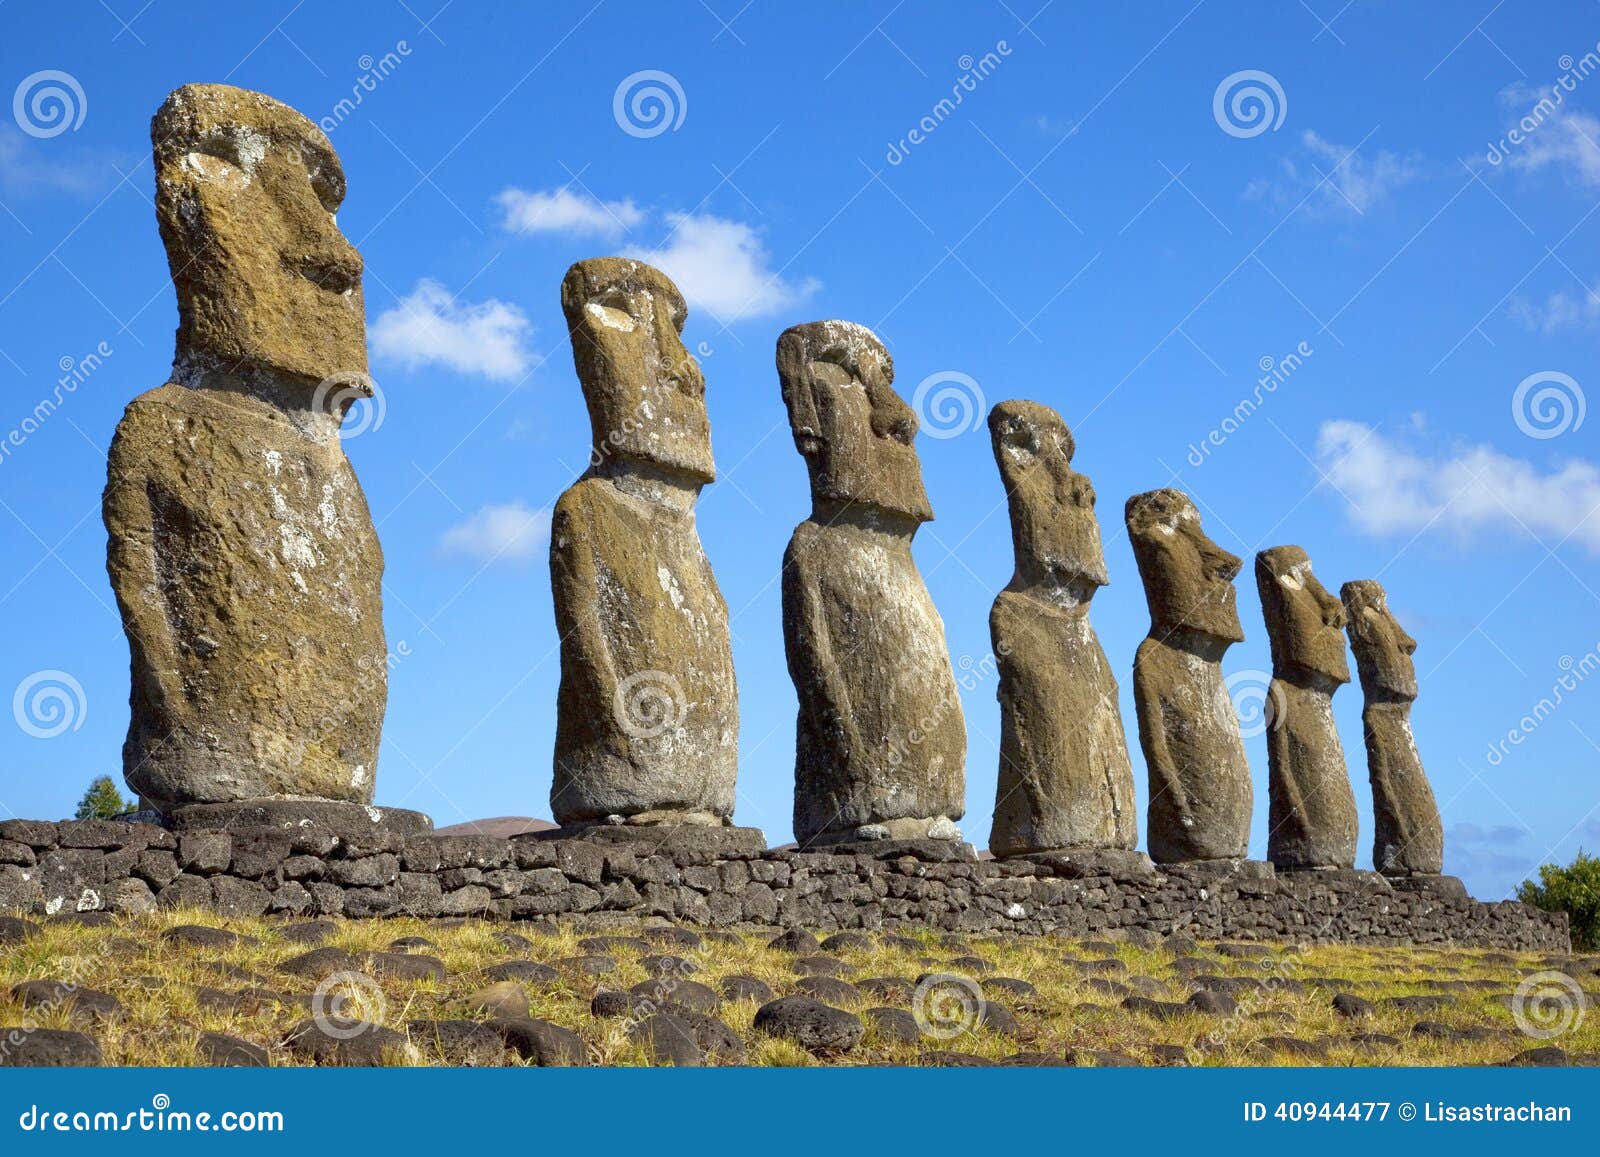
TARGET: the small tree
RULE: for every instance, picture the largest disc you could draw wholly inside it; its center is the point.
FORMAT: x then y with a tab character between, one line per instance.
1574	890
101	801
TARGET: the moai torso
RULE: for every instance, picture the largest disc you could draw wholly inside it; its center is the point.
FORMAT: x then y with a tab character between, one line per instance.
1065	780
1408	837
241	549
647	718
1200	793
1312	810
880	741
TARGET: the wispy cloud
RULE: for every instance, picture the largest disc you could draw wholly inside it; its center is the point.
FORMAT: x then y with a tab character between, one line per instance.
431	327
1340	180
1556	136
508	532
27	169
575	214
1561	310
1393	489
722	266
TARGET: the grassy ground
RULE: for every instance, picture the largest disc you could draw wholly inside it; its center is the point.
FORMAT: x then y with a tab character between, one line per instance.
1076	1008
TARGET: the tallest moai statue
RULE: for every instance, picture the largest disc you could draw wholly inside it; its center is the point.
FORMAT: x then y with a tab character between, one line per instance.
241	551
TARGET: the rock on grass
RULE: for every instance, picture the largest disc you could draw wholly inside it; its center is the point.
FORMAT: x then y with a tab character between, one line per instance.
810	1024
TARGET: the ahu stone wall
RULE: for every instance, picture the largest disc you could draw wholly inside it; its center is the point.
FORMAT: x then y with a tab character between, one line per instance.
55	869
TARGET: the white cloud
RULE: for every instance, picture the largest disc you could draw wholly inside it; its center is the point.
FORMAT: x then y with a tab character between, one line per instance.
1555	136
27	169
510	532
1562	310
1337	179
1395	490
564	211
429	327
722	266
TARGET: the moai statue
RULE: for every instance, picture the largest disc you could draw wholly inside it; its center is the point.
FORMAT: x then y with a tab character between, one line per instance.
1065	780
880	746
1200	794
1408	838
1312	810
647	718
242	552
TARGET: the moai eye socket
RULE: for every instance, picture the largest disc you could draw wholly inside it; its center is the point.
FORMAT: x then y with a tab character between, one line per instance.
614	310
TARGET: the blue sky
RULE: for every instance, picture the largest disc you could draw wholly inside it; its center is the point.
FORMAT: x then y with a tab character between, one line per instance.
1096	225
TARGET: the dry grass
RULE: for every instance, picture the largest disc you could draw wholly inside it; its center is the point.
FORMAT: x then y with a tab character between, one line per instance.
157	981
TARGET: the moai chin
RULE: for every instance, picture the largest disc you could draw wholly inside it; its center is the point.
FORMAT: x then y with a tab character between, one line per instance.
241	549
1200	793
881	745
1408	837
1312	810
1065	779
647	717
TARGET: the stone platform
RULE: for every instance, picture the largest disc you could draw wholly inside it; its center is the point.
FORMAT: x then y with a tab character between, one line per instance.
53	868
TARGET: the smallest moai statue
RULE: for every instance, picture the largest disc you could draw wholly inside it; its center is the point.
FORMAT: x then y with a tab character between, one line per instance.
1408	838
1311	811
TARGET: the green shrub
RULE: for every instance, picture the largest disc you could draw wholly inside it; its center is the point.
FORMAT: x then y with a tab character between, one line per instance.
101	801
1574	890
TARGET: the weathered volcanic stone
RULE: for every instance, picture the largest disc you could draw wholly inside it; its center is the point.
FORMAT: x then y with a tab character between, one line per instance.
1407	834
1200	794
25	1046
241	551
880	744
1065	780
647	718
1312	812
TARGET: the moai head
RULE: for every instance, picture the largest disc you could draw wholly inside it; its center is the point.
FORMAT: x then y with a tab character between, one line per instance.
1305	624
1188	579
855	433
1383	649
646	394
246	192
1053	524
